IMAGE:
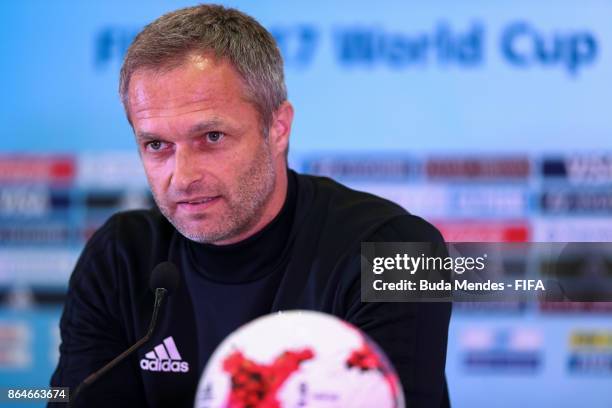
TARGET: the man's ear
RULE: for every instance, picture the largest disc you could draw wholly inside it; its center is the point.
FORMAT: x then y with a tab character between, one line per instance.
281	128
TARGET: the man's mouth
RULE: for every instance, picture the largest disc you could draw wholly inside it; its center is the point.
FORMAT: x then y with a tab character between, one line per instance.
197	203
198	200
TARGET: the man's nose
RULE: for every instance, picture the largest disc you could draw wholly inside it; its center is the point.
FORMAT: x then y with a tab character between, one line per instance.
186	172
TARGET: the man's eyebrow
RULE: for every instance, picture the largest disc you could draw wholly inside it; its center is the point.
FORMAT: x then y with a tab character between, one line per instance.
207	126
147	136
201	127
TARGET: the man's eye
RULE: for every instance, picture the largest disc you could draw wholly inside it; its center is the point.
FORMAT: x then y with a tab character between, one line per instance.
214	137
154	145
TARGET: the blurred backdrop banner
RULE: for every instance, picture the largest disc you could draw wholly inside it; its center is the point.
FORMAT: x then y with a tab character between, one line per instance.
489	119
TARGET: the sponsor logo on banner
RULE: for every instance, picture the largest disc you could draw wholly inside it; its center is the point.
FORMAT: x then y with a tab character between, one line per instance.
571	202
433	200
478	169
592	169
582	229
35	233
24	201
110	170
481	231
515	350
32	200
590	352
362	168
37	169
499	202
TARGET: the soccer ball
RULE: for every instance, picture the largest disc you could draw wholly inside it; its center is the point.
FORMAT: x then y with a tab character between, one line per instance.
298	359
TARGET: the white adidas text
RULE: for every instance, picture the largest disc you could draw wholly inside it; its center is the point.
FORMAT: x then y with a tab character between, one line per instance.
164	357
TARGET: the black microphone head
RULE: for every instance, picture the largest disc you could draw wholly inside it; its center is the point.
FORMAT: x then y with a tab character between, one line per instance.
165	275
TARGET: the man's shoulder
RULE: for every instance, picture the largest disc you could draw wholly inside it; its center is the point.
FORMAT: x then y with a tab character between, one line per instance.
407	228
128	240
133	228
379	219
342	199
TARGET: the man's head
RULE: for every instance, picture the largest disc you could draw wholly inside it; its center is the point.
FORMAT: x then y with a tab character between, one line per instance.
204	91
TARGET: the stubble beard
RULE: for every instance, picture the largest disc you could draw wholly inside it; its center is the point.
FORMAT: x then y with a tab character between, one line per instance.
245	205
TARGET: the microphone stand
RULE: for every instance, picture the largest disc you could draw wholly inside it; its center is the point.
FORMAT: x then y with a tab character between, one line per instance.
160	294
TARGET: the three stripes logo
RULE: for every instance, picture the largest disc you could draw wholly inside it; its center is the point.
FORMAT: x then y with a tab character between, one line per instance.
164	357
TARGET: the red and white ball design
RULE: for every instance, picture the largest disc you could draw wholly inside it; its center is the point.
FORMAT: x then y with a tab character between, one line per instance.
298	359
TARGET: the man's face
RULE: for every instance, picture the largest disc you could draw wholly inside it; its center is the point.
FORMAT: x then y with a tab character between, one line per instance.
212	173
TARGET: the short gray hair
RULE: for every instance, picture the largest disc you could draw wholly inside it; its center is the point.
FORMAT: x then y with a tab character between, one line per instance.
165	43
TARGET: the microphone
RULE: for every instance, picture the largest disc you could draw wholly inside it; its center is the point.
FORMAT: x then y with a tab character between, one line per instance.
164	280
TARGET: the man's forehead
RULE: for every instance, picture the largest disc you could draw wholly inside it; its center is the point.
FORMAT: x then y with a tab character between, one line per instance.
150	82
196	75
202	61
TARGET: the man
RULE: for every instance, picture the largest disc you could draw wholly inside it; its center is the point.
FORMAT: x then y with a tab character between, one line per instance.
204	91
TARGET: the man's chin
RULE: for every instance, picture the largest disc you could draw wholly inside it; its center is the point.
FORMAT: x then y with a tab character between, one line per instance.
201	236
206	235
197	226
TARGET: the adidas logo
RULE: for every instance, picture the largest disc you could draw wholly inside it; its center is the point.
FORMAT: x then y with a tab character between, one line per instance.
164	357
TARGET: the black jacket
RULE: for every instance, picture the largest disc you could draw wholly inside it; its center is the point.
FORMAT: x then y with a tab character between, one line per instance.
109	303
